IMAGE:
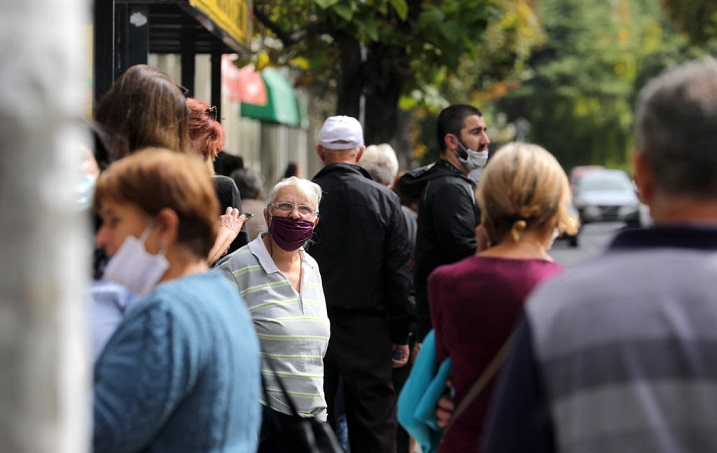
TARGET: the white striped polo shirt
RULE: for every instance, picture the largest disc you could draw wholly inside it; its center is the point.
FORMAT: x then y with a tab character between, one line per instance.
293	328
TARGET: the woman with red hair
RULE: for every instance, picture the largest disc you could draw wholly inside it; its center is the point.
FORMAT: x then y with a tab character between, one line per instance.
206	136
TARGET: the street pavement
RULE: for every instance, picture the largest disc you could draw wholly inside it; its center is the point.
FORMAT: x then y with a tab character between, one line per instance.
593	239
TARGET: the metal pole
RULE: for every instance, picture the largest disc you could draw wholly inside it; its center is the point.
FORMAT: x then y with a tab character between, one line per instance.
216	79
189	52
44	242
138	34
103	39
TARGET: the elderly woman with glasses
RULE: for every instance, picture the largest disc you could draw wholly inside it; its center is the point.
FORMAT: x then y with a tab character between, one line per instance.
281	286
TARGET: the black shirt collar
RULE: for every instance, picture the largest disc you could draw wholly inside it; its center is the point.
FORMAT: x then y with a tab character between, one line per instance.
680	236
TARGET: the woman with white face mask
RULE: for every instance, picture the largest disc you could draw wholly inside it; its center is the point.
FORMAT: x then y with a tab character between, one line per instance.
281	286
181	372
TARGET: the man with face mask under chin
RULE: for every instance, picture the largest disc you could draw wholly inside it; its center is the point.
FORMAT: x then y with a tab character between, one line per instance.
364	258
447	213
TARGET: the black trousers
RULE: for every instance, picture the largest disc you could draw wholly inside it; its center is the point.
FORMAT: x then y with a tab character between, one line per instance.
359	353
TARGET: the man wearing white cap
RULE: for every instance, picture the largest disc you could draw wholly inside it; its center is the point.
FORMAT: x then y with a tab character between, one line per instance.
363	254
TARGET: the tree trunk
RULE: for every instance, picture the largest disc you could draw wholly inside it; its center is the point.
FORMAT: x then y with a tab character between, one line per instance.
386	70
350	80
44	242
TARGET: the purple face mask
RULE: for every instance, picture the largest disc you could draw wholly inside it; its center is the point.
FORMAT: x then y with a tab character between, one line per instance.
290	234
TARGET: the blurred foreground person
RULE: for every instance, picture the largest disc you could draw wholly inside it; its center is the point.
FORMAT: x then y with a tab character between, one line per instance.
144	107
181	372
476	302
618	355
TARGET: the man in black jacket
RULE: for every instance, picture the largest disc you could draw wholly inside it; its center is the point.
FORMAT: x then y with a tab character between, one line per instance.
363	255
447	213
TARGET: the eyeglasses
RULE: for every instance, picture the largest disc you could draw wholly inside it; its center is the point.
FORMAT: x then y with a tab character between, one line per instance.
183	89
285	206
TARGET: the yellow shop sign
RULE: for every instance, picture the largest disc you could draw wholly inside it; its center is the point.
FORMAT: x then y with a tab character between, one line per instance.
231	15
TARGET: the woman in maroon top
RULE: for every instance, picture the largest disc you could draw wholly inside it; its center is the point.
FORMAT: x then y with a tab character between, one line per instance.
475	303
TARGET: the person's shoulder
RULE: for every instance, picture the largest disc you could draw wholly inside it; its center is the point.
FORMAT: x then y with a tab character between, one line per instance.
241	257
452	271
585	285
224	184
310	261
180	287
450	180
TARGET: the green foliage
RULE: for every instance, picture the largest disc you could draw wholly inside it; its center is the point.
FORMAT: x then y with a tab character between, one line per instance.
435	35
385	49
695	18
579	93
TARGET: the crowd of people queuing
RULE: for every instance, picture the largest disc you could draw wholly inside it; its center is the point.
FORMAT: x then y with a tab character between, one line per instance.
209	329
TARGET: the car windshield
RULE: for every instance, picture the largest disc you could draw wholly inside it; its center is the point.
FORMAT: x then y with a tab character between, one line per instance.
605	182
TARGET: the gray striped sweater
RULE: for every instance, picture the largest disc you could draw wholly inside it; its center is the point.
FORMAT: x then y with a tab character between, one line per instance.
293	328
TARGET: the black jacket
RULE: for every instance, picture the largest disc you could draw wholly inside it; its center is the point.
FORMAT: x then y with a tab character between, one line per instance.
228	195
447	217
361	245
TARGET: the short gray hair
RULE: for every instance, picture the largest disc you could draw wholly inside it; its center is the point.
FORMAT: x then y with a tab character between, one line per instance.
676	128
381	163
309	190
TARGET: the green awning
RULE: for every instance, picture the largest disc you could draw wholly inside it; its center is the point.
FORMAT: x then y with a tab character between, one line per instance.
282	104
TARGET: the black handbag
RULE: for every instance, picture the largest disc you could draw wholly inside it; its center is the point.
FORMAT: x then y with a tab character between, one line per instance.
294	433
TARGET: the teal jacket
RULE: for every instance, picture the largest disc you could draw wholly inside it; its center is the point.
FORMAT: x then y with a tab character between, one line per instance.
419	397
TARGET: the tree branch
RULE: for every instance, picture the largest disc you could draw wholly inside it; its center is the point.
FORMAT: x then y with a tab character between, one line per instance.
290	38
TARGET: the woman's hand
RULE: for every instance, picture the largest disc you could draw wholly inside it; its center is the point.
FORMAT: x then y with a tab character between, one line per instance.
229	225
445	408
400	355
231	220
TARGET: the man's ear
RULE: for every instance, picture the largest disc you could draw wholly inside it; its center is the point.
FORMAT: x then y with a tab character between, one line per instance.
320	152
644	179
451	141
360	153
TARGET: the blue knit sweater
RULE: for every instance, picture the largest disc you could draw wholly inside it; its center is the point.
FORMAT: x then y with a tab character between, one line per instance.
180	374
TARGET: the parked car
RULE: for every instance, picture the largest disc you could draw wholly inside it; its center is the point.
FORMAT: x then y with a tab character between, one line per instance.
603	195
580	170
572	238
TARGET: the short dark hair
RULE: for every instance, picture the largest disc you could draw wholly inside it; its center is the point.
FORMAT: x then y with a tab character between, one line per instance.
225	163
451	120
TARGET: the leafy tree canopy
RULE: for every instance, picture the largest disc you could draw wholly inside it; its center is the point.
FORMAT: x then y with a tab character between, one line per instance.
696	18
383	49
580	88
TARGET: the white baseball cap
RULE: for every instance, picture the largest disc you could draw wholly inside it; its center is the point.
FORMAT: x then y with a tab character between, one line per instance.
340	133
